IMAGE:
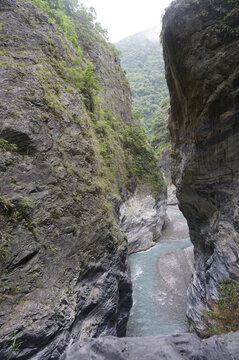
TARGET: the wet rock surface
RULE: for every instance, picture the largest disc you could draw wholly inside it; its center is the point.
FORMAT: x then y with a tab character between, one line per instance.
201	46
142	218
175	347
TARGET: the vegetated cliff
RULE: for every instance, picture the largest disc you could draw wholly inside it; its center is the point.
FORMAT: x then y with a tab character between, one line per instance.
69	155
201	49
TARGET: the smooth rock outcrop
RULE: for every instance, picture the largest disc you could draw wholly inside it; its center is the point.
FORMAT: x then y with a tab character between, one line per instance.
175	347
142	217
201	49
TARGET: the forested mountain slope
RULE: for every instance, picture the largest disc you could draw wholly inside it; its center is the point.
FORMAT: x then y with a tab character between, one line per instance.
142	59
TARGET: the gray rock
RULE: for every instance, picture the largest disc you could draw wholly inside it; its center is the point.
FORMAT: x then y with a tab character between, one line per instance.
142	217
174	347
201	43
171	195
176	226
175	269
166	162
63	259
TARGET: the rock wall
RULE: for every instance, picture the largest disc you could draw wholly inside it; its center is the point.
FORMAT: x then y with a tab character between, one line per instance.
142	218
63	260
201	47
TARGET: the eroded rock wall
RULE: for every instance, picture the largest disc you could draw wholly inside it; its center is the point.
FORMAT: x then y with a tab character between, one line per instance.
201	49
63	260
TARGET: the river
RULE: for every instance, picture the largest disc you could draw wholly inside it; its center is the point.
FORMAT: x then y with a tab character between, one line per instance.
160	278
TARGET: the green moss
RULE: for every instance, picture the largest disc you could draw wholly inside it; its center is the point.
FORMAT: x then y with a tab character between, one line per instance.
125	154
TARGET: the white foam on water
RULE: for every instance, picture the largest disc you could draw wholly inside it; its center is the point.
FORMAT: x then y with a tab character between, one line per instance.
138	272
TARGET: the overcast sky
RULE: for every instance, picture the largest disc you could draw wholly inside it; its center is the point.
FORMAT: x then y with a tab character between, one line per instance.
126	17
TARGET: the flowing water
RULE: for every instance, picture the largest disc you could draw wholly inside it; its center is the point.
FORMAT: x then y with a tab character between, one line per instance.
160	277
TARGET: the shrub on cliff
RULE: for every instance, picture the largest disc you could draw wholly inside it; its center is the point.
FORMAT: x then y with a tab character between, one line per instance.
223	315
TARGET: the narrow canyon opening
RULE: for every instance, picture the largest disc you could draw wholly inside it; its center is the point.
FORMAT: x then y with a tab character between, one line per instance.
160	278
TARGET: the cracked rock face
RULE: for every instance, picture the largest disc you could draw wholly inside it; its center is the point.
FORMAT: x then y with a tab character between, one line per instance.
201	47
142	217
63	261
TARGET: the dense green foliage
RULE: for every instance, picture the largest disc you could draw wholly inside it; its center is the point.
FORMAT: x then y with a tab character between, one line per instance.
235	2
142	59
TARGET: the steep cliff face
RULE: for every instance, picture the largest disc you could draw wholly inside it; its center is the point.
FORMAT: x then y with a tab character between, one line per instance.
201	47
64	161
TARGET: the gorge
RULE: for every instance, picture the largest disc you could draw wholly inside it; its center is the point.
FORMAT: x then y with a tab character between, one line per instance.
74	163
160	278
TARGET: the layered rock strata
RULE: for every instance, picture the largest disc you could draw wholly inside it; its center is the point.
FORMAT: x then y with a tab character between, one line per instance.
201	47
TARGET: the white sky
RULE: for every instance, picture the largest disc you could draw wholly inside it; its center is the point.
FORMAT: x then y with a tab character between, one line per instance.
126	17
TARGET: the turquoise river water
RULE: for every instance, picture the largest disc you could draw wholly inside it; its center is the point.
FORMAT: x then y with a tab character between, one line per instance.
156	310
